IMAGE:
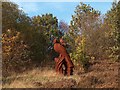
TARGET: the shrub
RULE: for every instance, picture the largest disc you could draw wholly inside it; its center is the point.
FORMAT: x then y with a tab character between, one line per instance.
15	52
79	55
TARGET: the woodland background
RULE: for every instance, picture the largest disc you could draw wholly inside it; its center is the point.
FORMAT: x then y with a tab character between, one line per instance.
27	42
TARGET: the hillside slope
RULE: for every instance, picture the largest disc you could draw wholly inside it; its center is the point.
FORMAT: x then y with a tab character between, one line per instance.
101	74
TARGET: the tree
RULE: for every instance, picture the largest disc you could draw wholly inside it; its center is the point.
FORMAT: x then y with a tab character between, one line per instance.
85	19
84	23
15	53
46	24
13	18
63	27
112	20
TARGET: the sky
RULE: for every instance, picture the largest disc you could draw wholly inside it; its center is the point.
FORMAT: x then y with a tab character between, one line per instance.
62	10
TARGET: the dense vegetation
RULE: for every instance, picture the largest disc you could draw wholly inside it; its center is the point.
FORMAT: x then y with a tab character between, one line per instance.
27	42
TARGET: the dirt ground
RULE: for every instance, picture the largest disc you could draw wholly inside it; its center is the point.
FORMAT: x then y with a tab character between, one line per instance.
101	74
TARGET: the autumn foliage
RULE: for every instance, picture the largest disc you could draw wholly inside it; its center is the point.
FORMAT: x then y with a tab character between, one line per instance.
27	42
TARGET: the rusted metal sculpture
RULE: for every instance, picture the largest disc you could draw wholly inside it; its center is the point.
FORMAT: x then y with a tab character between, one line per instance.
63	59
